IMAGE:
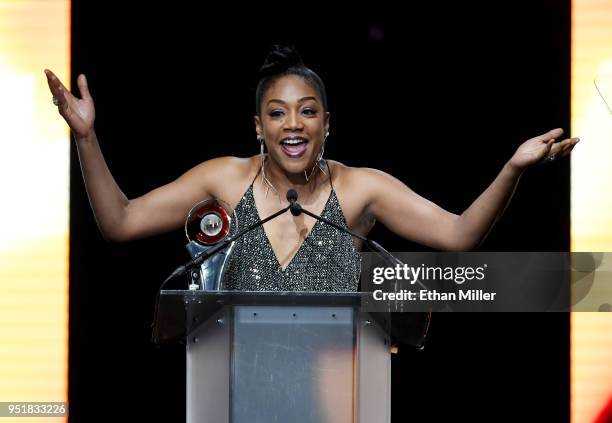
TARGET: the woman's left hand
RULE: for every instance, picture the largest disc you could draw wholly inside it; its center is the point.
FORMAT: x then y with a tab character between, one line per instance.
541	149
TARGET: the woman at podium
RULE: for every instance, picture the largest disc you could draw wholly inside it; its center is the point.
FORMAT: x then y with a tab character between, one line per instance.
291	124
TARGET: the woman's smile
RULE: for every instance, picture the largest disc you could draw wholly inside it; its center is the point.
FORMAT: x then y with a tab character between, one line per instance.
294	146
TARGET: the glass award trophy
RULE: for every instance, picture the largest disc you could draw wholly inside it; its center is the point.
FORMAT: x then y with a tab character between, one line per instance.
208	223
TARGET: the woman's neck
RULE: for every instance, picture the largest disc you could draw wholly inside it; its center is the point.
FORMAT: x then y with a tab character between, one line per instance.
282	181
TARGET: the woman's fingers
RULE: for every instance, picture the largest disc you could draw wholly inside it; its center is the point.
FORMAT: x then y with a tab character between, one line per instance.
550	135
58	89
51	82
83	88
569	146
548	148
563	148
55	85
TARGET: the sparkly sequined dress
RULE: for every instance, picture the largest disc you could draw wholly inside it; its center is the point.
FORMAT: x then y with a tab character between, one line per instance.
326	260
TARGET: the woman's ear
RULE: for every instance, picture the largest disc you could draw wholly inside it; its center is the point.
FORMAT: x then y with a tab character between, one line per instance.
327	117
258	126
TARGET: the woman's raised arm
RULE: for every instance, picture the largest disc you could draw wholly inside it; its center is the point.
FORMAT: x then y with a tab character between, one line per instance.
413	217
119	218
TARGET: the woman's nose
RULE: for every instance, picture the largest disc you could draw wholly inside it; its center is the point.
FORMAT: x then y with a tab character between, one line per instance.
293	121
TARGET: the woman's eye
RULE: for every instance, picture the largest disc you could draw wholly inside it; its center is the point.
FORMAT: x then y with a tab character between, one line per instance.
276	113
309	112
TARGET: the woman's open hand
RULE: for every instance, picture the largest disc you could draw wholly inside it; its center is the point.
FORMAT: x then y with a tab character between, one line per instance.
78	113
541	149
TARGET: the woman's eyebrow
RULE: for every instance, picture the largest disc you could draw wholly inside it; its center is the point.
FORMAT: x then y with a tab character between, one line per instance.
301	100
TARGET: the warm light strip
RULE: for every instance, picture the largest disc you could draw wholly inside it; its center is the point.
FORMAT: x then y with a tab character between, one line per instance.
591	211
34	187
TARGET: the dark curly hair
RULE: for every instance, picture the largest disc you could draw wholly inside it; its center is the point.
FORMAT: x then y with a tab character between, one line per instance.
284	60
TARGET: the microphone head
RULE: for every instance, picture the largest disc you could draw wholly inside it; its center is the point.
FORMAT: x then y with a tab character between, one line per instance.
292	195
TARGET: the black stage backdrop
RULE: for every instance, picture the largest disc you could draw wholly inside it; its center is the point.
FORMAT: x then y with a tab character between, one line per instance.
438	95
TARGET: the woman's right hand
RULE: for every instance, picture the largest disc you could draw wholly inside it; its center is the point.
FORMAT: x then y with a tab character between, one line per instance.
78	113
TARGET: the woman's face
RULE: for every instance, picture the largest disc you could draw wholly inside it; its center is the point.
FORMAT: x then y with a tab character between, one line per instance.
293	123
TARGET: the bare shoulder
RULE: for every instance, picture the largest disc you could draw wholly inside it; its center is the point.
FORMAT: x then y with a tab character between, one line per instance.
221	167
356	188
225	177
350	178
360	187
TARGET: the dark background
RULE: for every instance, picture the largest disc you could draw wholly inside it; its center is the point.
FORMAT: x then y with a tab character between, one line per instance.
438	95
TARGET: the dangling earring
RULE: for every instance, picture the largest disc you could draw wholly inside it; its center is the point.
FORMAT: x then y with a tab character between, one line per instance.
319	162
264	180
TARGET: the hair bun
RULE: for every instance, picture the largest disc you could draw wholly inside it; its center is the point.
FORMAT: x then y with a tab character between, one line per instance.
279	59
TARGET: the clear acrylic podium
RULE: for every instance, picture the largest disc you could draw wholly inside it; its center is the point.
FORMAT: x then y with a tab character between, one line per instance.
262	357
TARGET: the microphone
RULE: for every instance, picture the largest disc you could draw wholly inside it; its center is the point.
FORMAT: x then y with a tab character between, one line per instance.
292	196
294	206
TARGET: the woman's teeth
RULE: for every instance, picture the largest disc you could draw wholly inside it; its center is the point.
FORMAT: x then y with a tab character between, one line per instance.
294	147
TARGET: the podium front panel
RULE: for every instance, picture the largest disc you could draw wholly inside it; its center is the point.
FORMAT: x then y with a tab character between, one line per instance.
293	364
